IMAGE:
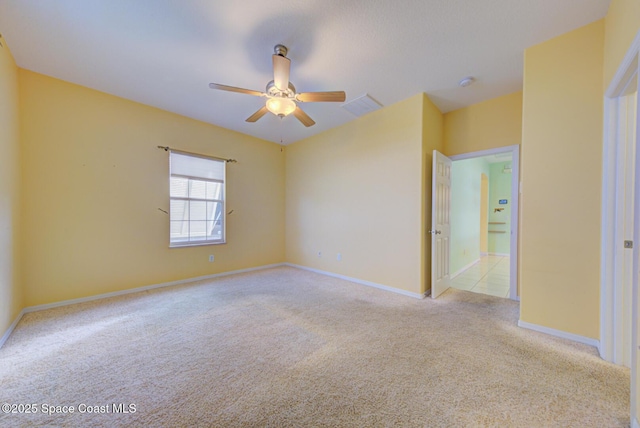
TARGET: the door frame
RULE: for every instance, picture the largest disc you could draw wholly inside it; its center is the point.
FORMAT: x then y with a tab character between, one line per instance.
484	214
609	287
515	207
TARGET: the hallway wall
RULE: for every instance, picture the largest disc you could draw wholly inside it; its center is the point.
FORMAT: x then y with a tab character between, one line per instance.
499	189
465	212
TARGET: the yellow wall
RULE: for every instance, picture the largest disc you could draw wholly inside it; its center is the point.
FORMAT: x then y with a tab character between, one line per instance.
621	26
561	178
486	125
93	181
90	164
358	190
10	287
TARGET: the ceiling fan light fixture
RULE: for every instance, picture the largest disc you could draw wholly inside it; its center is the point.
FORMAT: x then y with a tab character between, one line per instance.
281	106
281	94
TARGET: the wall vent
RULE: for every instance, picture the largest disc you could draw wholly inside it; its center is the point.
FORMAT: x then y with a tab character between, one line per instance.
362	105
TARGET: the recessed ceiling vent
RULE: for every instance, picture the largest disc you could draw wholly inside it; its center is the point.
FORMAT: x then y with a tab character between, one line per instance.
362	105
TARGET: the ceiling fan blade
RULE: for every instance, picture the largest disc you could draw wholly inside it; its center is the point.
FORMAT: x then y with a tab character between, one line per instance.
281	68
234	89
257	115
303	117
316	97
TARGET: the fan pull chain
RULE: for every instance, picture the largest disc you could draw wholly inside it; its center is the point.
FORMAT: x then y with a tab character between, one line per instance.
281	143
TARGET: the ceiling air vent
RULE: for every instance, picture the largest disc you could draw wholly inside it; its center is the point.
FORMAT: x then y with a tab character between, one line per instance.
362	105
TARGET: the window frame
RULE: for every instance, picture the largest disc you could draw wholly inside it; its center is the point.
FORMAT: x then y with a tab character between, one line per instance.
188	199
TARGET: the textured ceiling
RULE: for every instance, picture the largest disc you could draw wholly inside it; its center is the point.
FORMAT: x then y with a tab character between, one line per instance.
164	53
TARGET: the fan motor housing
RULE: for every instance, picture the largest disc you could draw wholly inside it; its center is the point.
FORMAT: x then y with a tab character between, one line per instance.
273	91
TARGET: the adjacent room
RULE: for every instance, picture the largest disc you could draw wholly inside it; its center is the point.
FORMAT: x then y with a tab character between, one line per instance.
319	214
480	248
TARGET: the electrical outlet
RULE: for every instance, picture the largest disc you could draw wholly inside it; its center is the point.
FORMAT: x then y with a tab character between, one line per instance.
211	258
339	257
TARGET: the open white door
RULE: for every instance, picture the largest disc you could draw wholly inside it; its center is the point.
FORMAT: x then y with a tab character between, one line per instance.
440	223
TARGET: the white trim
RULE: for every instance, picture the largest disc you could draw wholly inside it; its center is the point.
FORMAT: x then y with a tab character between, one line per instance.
499	254
635	423
461	270
609	305
619	82
144	288
515	224
36	308
607	228
635	256
360	281
482	153
559	333
13	325
516	189
124	292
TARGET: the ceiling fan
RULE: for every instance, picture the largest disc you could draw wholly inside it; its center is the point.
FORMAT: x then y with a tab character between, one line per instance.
281	95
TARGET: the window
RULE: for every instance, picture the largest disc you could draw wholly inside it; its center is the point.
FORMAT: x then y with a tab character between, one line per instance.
196	194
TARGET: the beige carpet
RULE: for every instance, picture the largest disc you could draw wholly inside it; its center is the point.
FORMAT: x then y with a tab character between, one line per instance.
285	347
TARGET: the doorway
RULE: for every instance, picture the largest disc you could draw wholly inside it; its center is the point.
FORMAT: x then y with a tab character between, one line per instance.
484	222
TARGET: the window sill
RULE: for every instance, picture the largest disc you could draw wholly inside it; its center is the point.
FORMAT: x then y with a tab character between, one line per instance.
196	244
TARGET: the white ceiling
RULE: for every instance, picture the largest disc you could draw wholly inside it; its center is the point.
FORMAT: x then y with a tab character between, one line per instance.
164	53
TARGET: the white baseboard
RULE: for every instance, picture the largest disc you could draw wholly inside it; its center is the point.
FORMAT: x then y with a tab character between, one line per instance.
464	268
635	423
559	333
28	309
361	281
499	254
13	325
122	293
145	288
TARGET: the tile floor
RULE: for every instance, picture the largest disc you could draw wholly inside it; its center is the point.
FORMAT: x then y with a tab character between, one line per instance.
489	276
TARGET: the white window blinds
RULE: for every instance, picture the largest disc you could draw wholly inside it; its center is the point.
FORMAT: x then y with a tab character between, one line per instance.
196	191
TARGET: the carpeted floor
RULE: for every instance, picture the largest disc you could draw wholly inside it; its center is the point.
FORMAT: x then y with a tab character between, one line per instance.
285	347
